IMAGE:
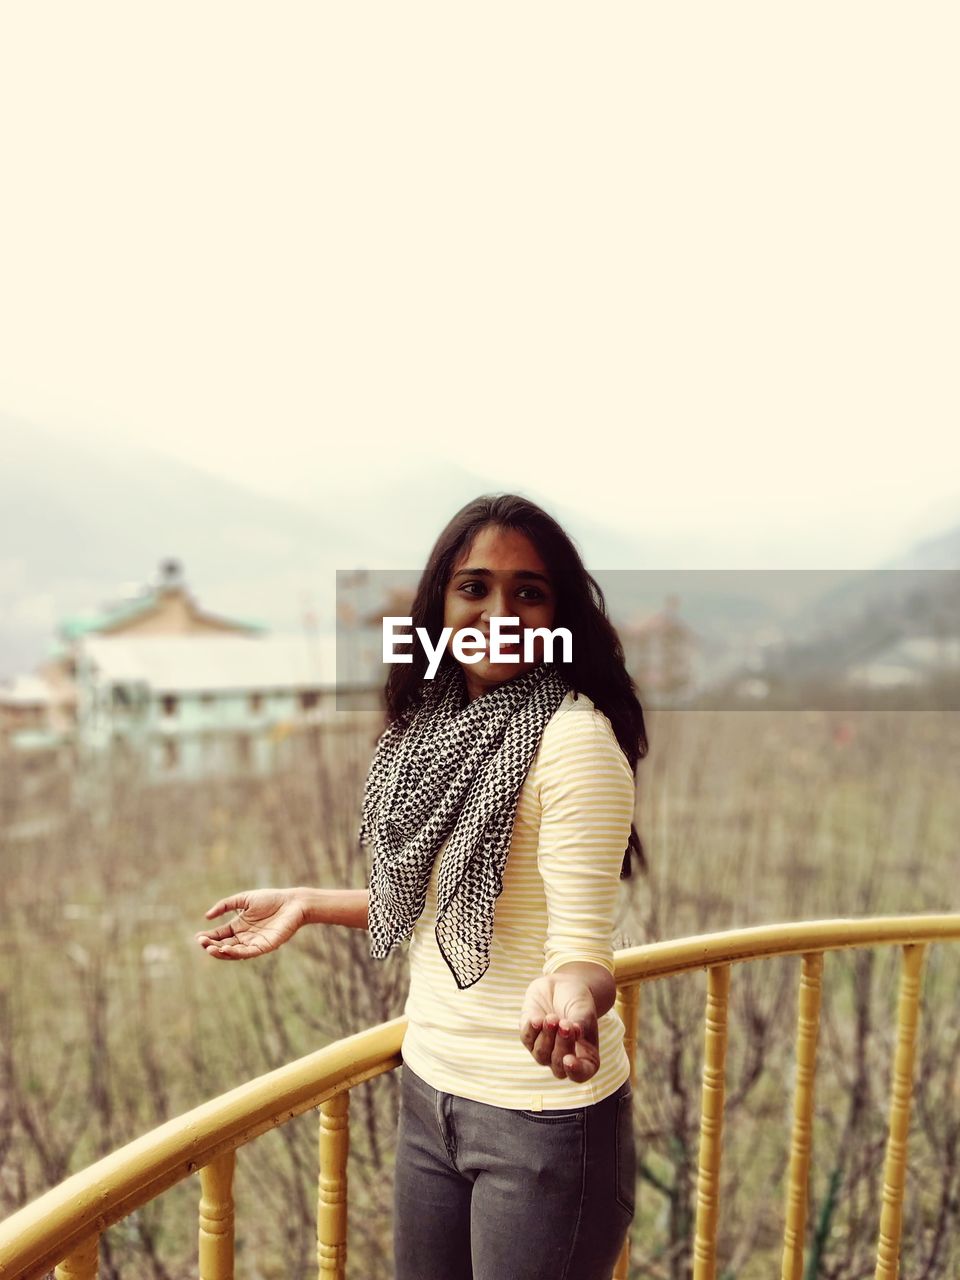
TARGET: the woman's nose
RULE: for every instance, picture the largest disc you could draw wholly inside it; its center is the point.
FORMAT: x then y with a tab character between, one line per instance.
494	606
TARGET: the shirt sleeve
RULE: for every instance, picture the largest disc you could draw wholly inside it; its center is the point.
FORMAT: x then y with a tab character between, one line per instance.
587	798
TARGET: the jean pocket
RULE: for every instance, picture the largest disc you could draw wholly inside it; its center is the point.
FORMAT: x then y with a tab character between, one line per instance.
566	1115
626	1154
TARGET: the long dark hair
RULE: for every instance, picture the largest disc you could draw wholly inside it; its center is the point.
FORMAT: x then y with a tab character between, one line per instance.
597	667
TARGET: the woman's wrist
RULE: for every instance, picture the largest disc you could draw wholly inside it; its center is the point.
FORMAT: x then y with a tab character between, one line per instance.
600	981
333	906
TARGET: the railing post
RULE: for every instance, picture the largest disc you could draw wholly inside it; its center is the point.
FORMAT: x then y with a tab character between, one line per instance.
82	1263
711	1123
895	1165
332	1186
628	1002
808	1027
216	1255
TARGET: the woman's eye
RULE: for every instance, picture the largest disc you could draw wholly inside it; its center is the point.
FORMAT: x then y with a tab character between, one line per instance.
529	595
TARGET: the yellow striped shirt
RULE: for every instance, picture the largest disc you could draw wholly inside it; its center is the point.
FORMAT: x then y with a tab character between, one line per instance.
558	903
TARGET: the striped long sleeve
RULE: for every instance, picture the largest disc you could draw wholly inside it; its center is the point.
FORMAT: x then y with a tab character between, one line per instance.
558	903
586	808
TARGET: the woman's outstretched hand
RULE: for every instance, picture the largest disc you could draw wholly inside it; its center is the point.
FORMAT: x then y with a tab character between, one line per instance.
266	919
558	1024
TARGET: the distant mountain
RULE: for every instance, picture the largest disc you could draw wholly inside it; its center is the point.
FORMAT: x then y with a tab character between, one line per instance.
912	586
81	523
860	615
941	552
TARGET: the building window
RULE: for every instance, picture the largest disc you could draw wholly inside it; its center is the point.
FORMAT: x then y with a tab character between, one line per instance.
309	699
168	704
244	751
171	754
256	703
207	700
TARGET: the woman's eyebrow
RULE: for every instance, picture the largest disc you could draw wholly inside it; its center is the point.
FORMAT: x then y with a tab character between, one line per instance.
530	574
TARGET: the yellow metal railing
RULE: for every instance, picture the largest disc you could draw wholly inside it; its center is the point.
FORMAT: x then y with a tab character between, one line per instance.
63	1227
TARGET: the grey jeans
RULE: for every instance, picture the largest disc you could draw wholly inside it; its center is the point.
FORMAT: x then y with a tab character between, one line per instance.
488	1193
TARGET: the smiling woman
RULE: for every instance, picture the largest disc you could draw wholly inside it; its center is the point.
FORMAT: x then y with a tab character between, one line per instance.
498	812
518	587
497	621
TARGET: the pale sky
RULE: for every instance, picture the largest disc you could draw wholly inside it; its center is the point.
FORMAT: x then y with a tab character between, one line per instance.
684	267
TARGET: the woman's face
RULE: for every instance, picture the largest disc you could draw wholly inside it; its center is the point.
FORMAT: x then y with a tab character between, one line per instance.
500	575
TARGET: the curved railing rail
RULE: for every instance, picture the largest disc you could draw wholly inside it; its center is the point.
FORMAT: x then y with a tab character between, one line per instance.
64	1225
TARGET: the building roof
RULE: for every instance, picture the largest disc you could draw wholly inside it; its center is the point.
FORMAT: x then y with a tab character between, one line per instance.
213	664
137	601
86	623
107	619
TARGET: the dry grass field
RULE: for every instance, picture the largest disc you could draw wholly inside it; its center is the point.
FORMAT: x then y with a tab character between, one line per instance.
112	1019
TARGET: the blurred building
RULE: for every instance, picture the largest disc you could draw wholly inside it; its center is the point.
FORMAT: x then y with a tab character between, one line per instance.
195	706
163	607
25	707
661	654
159	685
36	759
364	598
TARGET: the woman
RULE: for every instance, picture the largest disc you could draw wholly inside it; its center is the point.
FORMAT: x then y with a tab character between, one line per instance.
498	809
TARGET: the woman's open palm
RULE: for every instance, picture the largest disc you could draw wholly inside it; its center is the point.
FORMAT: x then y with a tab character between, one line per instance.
266	919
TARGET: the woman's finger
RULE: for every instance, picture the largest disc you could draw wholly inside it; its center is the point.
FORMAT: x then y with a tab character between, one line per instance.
563	1048
235	903
215	935
529	1031
232	951
543	1045
578	1070
583	1063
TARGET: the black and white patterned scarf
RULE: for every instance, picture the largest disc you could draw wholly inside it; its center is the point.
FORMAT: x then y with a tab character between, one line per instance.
455	771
